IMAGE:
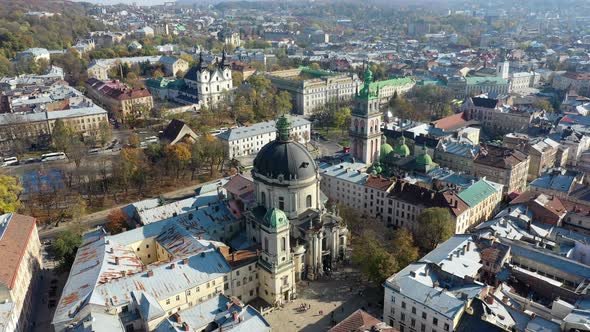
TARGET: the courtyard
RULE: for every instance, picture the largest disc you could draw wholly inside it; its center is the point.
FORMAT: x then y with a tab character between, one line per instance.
330	299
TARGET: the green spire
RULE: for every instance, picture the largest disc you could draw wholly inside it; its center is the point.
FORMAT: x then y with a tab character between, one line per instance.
366	90
283	128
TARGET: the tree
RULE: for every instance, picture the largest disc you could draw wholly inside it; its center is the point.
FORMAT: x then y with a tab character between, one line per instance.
76	151
236	77
342	118
105	133
61	136
315	66
133	140
5	66
117	221
375	263
178	155
543	104
405	252
282	103
9	193
435	226
351	218
64	248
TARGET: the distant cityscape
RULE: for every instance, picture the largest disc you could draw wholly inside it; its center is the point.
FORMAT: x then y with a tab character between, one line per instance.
262	166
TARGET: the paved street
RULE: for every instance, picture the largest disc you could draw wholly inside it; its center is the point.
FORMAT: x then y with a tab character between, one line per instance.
338	296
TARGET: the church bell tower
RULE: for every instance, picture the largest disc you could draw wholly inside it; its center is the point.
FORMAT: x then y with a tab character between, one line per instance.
365	124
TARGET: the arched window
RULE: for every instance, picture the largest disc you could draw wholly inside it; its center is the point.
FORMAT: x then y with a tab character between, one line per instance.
308	201
263	198
265	244
283	243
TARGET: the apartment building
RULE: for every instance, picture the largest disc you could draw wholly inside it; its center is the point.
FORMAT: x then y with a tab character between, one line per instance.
248	140
483	199
31	104
456	155
22	261
496	115
505	166
118	99
311	89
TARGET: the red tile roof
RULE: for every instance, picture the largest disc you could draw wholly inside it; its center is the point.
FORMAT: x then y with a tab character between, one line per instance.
13	246
378	182
117	90
450	122
361	321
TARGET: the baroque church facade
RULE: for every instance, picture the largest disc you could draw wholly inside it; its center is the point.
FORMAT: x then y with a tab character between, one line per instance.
298	237
209	83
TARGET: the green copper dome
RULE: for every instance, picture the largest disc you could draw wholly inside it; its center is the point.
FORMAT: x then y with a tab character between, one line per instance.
402	149
385	150
424	160
275	218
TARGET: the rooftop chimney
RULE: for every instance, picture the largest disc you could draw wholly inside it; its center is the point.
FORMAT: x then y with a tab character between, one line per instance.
185	261
235	315
185	326
172	266
150	273
116	260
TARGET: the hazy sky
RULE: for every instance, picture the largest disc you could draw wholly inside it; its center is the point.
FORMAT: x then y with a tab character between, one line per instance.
128	2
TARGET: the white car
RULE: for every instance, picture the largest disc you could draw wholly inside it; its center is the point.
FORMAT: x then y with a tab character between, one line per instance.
10	161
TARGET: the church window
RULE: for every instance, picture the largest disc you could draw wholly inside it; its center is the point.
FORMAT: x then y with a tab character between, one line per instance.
263	198
281	203
308	201
283	243
265	244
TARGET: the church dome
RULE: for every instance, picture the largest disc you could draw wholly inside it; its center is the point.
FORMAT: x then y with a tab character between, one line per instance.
424	160
402	149
385	150
275	218
284	157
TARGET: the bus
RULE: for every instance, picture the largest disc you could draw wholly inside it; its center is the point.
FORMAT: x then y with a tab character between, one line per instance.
53	156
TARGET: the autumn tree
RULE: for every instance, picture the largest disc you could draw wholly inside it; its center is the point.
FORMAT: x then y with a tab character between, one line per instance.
543	104
9	193
342	118
435	226
403	248
178	155
375	262
61	136
351	218
117	221
236	77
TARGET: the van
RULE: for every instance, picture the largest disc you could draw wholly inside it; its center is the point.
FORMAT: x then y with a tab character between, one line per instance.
10	161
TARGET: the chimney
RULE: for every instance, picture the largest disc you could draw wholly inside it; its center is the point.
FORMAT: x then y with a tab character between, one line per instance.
150	273
185	261
228	305
172	266
185	326
468	245
235	314
116	260
451	257
489	300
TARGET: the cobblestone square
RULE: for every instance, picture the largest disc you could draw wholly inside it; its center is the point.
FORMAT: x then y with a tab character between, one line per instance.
330	299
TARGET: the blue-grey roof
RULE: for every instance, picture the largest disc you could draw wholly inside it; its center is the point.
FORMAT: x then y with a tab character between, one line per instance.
149	308
345	171
218	310
559	182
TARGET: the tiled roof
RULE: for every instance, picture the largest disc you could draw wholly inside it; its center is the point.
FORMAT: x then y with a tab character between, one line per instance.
17	230
499	157
378	182
361	321
450	122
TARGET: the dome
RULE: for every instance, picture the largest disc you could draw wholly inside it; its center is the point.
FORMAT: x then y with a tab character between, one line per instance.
424	160
385	150
275	218
402	149
283	157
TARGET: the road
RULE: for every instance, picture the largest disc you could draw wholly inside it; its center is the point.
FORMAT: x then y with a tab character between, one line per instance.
98	218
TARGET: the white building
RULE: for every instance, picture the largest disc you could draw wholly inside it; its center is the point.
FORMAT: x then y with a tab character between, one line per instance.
209	85
33	54
433	293
243	141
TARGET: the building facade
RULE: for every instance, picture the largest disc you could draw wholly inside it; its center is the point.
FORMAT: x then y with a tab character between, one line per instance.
365	124
505	166
120	100
243	141
21	249
209	84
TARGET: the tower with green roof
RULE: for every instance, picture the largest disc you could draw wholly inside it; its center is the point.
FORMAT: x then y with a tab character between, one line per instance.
365	124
